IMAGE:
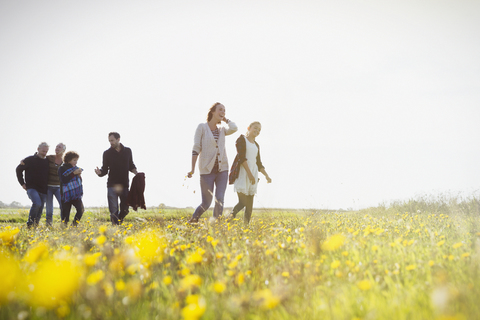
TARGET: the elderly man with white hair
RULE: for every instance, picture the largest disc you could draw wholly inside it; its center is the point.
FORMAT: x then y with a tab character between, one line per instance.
36	181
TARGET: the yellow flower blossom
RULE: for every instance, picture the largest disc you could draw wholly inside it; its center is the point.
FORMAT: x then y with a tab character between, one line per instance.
100	240
334	242
36	253
190	281
194	258
7	238
335	264
457	245
11	277
95	277
219	287
119	285
194	309
53	282
364	285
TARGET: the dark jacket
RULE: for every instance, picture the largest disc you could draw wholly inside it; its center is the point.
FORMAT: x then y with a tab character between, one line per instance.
64	179
135	195
36	173
117	164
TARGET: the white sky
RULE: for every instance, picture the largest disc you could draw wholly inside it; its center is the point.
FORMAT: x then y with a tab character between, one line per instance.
360	101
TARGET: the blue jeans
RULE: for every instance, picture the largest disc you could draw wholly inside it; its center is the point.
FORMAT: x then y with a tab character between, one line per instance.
52	191
207	182
113	194
38	201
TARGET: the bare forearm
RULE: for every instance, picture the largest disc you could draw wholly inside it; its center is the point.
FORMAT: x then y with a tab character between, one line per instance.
194	162
266	175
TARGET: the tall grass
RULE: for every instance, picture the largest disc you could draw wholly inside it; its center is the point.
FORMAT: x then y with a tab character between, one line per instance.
415	259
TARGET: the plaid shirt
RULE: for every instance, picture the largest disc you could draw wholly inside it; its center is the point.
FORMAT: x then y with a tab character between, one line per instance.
73	189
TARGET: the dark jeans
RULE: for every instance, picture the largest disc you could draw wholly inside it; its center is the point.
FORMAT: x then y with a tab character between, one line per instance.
38	201
246	202
207	182
67	206
114	193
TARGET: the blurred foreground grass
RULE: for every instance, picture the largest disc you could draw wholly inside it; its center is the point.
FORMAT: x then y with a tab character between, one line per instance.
418	259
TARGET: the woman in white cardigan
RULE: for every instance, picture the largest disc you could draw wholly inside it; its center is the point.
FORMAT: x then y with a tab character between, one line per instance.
209	146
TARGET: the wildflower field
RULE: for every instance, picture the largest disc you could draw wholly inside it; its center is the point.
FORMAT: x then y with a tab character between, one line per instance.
413	260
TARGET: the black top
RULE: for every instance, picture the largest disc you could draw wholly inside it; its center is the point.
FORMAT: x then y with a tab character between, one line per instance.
36	173
117	164
241	145
61	170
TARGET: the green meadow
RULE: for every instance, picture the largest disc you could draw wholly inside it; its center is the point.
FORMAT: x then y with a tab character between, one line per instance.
417	259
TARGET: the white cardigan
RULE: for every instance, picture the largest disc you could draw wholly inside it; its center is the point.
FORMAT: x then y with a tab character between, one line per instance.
204	144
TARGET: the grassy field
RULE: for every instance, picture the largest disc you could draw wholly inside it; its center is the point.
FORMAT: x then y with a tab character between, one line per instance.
418	259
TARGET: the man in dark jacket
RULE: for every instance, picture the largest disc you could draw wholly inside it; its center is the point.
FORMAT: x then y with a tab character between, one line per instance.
36	182
117	162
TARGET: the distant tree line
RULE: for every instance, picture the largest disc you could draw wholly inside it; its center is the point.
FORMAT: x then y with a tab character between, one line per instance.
14	204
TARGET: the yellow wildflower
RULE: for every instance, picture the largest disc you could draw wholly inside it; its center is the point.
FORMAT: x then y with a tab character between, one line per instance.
195	309
364	285
53	282
219	287
335	264
11	277
190	281
95	277
7	238
36	253
334	242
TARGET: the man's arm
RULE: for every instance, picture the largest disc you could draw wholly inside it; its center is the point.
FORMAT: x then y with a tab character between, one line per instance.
19	170
131	165
105	166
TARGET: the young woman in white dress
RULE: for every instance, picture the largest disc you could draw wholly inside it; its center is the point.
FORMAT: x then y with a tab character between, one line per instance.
248	155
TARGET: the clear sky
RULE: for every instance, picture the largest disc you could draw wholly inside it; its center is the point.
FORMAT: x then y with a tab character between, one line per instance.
361	102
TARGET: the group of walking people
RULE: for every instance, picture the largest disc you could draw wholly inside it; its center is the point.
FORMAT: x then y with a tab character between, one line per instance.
210	153
59	176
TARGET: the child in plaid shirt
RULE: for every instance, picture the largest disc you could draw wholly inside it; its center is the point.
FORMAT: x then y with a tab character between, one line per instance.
71	187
